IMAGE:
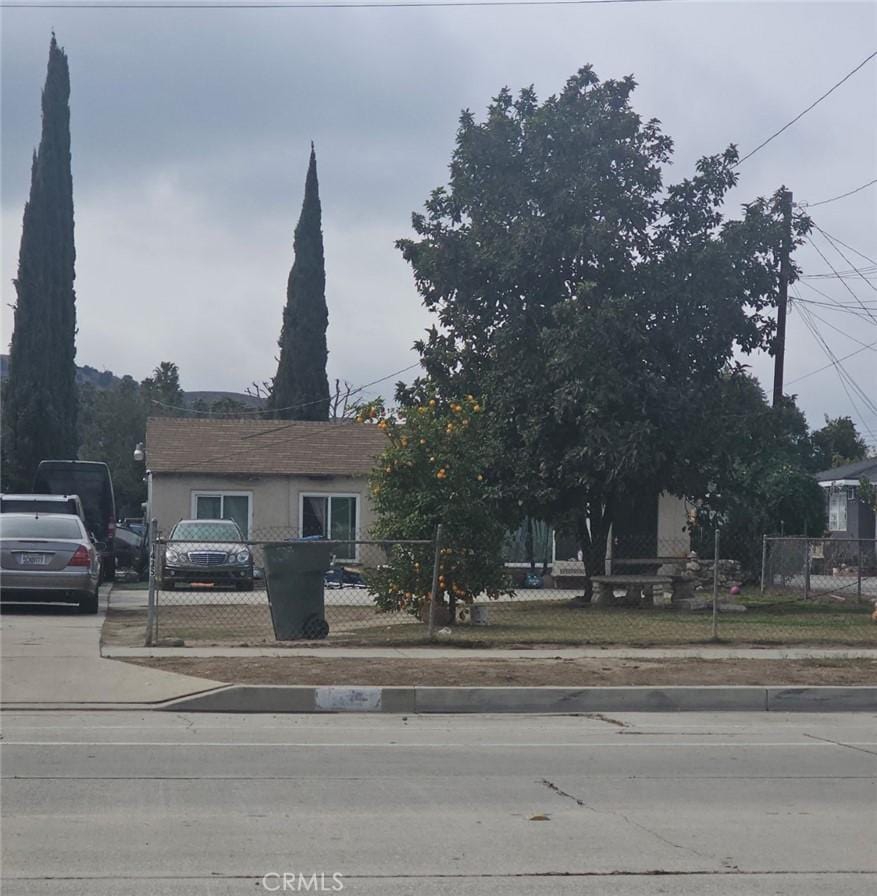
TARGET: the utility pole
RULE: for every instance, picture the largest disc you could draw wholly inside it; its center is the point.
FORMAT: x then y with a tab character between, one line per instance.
785	274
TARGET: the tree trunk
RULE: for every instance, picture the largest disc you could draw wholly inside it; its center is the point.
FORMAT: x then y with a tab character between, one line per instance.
592	534
528	545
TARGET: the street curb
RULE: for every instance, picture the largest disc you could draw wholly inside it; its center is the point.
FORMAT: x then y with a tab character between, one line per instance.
426	700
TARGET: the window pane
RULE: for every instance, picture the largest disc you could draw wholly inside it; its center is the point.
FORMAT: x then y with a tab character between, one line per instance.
344	526
837	513
237	508
313	516
41	527
208	507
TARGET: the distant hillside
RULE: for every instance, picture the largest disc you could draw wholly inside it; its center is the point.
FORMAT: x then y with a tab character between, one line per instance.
106	379
209	397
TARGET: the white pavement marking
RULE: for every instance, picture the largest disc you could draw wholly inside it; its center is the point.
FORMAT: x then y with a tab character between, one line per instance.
435	745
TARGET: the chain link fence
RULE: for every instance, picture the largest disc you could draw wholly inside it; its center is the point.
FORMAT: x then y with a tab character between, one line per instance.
207	588
838	570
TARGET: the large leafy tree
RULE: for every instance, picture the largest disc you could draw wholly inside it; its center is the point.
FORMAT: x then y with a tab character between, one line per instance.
112	422
837	443
40	399
594	309
300	389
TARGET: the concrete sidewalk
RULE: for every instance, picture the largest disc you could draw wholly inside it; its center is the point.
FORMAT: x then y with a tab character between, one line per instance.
51	658
51	655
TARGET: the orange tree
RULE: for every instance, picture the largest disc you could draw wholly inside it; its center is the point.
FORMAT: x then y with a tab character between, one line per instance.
432	472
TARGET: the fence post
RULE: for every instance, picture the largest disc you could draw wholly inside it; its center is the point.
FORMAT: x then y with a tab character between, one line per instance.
763	562
150	612
859	573
716	588
806	568
430	631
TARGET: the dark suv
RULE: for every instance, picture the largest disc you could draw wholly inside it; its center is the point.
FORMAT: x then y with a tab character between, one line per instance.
206	552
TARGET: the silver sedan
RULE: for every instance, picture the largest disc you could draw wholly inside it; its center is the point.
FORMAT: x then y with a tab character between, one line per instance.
48	557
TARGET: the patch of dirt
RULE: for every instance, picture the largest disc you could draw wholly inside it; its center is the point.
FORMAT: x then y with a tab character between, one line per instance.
461	672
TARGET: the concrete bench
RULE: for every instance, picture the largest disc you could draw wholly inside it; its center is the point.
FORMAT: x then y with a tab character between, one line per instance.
638	588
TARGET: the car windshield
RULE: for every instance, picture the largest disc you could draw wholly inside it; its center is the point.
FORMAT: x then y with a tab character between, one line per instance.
206	531
40	527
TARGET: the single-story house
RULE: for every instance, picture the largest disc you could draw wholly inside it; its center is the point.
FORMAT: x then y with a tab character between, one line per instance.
849	517
279	478
274	478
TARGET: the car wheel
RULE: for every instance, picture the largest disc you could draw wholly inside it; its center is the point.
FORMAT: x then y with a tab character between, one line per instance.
315	628
88	603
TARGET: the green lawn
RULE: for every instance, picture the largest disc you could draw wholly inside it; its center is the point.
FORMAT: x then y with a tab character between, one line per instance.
772	619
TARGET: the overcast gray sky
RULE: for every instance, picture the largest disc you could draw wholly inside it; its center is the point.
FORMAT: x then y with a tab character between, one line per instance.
191	131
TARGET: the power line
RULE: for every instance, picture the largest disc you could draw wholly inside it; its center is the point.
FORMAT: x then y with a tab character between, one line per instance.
831	325
805	376
291	407
855	251
835	198
844	282
811	106
843	373
833	246
834	304
843	275
845	379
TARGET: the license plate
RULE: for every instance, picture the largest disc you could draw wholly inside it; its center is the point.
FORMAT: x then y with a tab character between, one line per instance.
34	559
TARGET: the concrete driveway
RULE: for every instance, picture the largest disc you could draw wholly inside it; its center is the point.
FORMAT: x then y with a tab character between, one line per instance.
50	654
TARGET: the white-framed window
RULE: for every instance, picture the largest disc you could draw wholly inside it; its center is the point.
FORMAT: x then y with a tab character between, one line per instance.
331	515
237	506
837	510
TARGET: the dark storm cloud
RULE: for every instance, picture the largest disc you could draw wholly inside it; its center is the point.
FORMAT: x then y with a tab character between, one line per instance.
191	131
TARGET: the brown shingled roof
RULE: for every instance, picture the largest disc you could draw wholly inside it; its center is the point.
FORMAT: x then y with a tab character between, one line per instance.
288	448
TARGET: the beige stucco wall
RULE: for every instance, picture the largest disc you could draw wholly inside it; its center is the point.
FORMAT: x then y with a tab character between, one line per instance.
275	500
673	535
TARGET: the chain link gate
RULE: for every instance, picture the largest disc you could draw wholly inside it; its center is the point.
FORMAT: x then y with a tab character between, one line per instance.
209	589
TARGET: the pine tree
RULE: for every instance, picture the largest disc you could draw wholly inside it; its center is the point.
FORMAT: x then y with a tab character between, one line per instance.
40	399
301	387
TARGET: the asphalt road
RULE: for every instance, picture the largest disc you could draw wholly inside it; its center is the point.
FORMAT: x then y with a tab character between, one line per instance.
160	804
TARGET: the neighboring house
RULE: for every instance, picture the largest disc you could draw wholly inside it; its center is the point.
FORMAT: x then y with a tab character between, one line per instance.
274	478
848	517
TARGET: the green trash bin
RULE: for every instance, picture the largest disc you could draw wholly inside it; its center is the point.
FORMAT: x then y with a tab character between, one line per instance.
294	579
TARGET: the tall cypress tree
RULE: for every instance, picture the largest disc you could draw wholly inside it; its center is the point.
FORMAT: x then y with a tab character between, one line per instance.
40	399
301	387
